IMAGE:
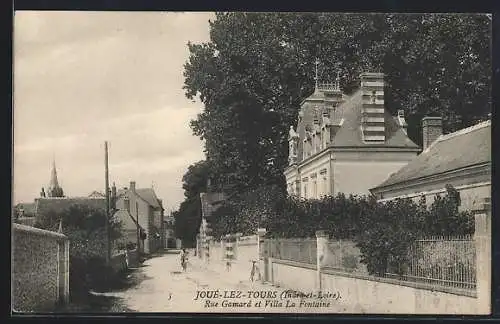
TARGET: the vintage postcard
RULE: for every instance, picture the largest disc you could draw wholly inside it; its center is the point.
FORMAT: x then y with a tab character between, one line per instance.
234	162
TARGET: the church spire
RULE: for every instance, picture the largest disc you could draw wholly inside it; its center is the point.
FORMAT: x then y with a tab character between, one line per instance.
54	183
54	189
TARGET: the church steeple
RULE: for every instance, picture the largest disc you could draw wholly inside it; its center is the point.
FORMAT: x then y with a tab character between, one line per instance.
54	189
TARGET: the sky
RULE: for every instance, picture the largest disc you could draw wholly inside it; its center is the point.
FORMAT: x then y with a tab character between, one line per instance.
83	78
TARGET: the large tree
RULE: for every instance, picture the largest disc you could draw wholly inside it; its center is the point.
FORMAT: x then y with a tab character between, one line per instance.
257	67
188	217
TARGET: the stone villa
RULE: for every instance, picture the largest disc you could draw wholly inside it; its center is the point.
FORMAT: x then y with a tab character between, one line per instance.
346	144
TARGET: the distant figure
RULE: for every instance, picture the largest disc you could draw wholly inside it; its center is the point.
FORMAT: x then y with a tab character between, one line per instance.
228	265
184	258
255	269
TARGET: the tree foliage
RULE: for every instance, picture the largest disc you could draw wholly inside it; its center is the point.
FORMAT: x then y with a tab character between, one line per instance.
188	217
257	67
85	227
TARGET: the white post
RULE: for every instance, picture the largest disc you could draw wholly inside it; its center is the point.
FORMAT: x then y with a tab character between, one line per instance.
262	257
321	242
482	240
222	248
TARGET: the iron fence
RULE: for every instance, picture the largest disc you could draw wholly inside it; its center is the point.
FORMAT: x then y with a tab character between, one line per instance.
438	261
441	261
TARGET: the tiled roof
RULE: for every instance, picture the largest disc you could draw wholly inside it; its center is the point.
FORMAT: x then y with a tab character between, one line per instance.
464	148
350	134
44	205
96	193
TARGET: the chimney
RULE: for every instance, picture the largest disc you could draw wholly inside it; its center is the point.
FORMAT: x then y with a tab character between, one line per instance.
132	185
373	112
401	120
432	128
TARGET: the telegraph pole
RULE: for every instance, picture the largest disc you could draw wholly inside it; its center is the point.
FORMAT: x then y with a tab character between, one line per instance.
106	223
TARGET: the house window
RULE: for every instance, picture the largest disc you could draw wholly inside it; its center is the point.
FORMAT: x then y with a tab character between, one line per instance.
325	187
315	189
305	190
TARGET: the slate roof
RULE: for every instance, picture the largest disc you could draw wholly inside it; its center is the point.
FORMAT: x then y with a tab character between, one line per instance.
44	205
464	148
147	194
350	135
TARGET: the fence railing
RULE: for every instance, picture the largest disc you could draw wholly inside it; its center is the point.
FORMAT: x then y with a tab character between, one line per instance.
298	250
438	261
442	261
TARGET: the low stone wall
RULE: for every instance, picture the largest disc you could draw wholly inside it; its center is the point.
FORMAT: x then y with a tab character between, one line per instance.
40	269
368	294
292	275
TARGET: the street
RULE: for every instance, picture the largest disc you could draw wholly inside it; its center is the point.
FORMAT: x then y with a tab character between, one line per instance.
201	289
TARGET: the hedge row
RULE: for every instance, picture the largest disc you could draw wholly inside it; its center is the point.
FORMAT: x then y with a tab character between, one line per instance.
382	231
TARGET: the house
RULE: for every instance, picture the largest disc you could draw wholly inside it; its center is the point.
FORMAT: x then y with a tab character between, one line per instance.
461	159
346	143
141	214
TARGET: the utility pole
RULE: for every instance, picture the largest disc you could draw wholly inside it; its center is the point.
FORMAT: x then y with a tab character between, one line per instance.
106	223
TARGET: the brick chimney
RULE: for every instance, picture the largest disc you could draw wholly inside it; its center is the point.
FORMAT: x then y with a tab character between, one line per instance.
432	128
132	185
373	111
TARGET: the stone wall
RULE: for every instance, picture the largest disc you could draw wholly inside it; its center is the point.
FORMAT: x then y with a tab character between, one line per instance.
40	269
368	294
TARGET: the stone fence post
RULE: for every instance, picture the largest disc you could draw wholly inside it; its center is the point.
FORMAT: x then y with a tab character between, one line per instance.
262	254
321	242
482	241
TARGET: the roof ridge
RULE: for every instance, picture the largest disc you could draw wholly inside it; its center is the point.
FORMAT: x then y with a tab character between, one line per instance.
459	132
464	131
